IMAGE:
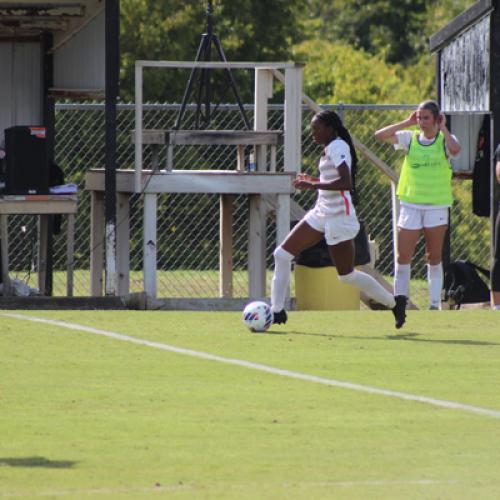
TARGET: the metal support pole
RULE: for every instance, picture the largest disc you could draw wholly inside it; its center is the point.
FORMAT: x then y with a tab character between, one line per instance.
112	61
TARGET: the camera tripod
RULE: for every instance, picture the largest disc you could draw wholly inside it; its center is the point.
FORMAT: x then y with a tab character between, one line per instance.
204	93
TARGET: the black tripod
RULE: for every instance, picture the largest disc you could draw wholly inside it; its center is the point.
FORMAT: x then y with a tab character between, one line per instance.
204	90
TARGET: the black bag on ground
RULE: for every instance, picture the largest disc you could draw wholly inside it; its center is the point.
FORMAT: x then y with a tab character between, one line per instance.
319	256
464	285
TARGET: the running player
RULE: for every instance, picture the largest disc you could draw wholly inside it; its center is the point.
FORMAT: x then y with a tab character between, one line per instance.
333	217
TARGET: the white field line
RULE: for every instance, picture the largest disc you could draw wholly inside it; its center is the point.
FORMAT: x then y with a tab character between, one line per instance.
451	405
181	488
95	491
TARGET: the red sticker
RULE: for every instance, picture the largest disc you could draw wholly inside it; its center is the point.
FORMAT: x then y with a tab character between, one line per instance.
39	132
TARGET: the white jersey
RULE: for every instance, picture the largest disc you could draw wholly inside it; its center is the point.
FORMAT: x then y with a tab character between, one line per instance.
334	202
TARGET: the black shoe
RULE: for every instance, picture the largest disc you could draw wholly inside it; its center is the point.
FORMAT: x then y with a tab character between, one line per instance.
399	310
280	317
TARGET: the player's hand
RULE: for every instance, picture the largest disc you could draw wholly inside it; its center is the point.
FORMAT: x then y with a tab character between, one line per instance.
304	181
306	177
413	120
442	121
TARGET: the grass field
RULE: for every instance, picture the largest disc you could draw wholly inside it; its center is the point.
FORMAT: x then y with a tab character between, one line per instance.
84	415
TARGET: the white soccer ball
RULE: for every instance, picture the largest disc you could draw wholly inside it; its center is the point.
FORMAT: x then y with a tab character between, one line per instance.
257	316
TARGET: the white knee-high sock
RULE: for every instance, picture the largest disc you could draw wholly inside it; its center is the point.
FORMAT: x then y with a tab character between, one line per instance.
370	286
281	278
402	275
435	279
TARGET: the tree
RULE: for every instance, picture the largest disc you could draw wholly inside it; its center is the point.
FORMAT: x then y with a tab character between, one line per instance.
396	29
336	72
171	30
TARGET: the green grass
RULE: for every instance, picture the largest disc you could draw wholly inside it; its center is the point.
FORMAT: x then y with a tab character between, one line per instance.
87	416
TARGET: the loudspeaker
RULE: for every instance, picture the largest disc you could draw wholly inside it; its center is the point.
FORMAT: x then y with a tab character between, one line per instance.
27	168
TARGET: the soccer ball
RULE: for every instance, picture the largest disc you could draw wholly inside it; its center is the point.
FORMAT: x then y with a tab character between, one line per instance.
257	316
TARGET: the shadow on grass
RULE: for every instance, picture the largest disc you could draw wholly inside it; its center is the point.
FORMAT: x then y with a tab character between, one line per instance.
276	332
37	462
413	337
406	336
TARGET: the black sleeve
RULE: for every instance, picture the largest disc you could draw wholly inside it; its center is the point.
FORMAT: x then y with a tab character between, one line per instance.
497	153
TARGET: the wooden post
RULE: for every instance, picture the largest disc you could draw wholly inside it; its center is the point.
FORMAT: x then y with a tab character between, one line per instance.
293	118
282	217
43	234
263	92
123	243
150	214
226	246
170	158
70	250
4	235
138	129
256	248
240	158
96	242
272	166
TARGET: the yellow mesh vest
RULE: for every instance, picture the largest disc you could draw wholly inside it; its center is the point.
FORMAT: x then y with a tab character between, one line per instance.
426	174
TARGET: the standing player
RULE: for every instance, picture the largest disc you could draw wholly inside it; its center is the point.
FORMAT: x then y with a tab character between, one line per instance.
424	189
495	267
333	217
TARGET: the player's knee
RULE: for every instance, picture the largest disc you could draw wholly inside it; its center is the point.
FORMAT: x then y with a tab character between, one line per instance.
281	254
403	258
433	259
347	278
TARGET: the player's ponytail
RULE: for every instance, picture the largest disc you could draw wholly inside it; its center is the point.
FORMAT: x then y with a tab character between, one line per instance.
333	120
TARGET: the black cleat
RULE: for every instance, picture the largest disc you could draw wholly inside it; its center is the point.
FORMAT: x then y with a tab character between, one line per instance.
280	317
399	310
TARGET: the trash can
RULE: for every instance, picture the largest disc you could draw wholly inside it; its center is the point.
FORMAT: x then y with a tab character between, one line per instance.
317	287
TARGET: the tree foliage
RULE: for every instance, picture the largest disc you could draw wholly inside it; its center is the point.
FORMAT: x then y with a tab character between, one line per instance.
171	30
398	30
336	72
355	51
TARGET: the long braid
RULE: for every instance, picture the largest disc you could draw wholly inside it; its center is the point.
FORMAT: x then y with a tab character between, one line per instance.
333	120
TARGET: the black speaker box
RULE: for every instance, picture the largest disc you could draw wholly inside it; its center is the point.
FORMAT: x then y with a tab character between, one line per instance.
27	167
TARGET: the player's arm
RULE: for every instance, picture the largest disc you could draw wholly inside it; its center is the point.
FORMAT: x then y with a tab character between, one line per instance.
452	145
388	134
497	170
342	183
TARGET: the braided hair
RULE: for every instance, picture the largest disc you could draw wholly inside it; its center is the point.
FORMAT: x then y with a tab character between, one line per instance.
332	119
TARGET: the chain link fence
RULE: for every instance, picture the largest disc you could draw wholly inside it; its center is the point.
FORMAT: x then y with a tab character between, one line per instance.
188	225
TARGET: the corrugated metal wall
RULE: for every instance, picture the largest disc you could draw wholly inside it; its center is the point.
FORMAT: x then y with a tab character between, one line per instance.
465	74
21	91
79	64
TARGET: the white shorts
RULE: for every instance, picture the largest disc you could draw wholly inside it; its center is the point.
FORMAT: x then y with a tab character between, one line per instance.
337	228
418	218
